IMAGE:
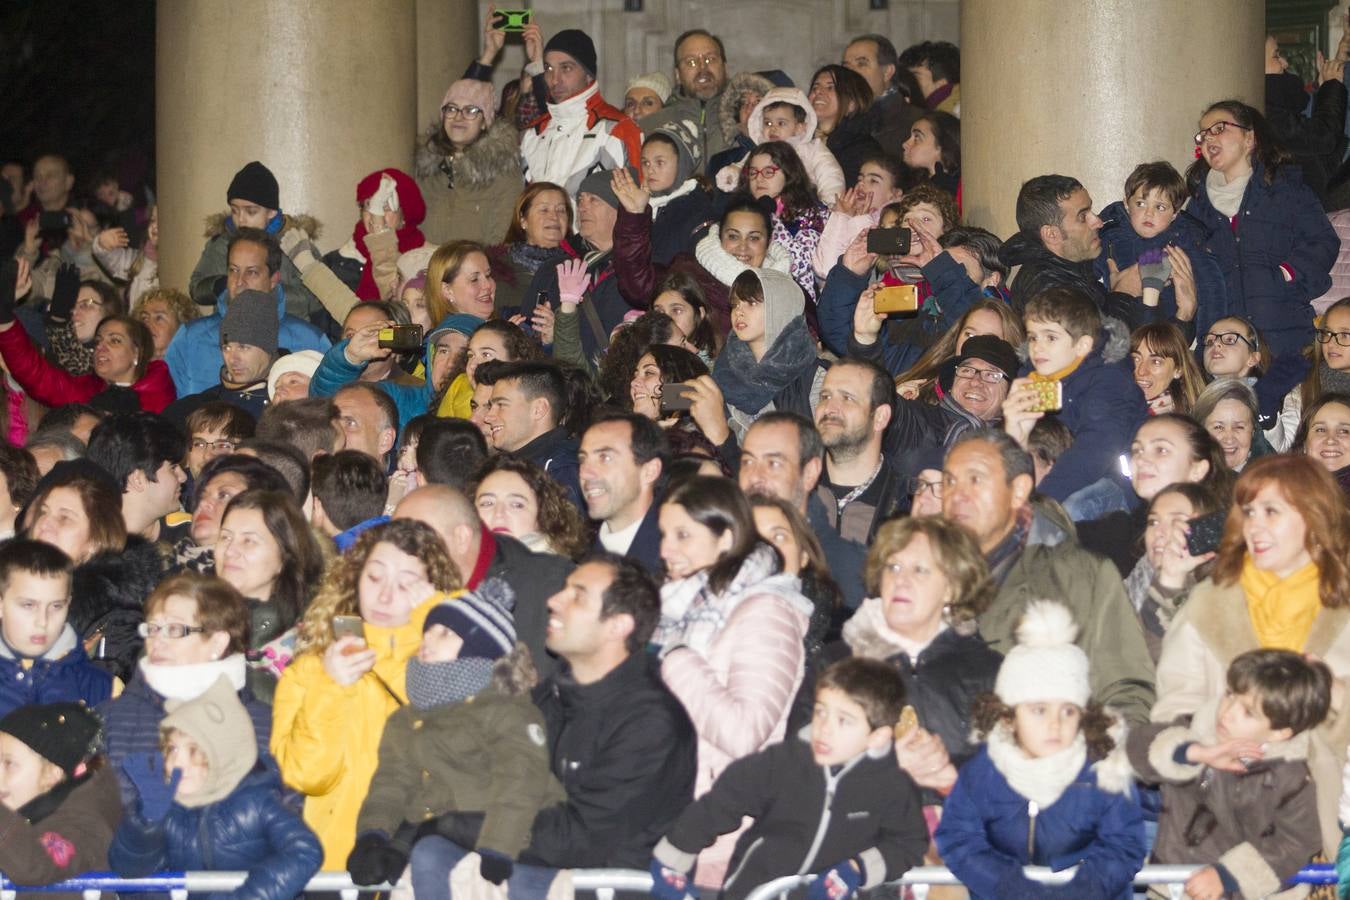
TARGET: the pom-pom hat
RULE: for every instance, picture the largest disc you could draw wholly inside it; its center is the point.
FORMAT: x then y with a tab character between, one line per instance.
1046	664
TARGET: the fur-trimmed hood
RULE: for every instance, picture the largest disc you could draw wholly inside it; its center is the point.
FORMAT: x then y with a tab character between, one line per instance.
1112	346
792	97
496	151
215	225
729	107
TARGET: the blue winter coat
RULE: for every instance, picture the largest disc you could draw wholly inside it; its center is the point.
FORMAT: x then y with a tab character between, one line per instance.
63	674
1277	223
250	830
335	373
1122	244
985	835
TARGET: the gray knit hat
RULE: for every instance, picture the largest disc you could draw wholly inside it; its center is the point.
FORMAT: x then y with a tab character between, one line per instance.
251	318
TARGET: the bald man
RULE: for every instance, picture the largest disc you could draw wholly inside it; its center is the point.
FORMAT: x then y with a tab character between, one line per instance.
480	554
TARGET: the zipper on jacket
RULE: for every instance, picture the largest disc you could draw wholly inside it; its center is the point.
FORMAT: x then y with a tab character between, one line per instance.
831	784
208	861
726	885
1033	810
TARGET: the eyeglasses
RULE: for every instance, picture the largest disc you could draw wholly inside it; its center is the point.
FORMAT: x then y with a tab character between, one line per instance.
221	446
917	487
174	630
988	376
1217	129
1342	337
767	171
1229	339
451	111
89	303
693	62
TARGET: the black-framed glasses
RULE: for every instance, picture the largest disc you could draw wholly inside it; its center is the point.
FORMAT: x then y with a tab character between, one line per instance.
451	111
1228	339
988	376
917	487
174	630
1342	337
1217	129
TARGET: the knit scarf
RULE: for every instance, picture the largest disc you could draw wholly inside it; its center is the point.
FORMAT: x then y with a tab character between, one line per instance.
530	257
1282	609
441	683
751	385
1061	374
692	615
1333	380
187	682
1226	196
1041	780
1002	557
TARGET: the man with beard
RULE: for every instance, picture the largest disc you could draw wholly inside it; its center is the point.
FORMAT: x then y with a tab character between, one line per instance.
858	490
701	71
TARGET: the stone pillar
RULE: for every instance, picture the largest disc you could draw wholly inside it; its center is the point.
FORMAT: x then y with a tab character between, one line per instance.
322	93
1091	89
448	37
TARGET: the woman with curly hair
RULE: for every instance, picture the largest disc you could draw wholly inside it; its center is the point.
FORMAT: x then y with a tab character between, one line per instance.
162	311
517	497
348	673
660	366
774	171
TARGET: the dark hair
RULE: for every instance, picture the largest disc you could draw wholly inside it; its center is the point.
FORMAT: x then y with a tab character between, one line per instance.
1301	436
257	475
351	485
647	440
515	232
65	416
742	202
985	245
942	58
218	415
305	424
809	444
1267	151
1038	203
1016	461
625	349
301	558
947	134
886	55
697	32
797	112
632	593
21	474
135	442
535	379
704	336
799	192
450	451
1161	176
1165	339
262	239
140	337
1313	387
1067	307
220	606
853	91
38	557
558	518
1202	446
719	505
519	344
894	166
288	461
109	296
1294	691
989	712
102	507
676	363
1048	440
874	685
883	385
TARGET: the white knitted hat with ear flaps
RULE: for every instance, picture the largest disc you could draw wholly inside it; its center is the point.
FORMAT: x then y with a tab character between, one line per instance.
1045	664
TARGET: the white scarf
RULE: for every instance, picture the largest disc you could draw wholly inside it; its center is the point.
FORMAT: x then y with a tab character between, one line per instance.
187	682
1226	196
725	267
1041	780
659	203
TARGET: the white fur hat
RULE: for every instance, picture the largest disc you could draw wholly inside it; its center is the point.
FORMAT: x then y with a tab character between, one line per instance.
1045	664
303	361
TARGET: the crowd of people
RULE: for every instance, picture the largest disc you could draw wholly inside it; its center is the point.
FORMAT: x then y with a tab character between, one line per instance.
686	488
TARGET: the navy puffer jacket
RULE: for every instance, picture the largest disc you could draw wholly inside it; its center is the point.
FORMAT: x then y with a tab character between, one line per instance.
250	830
62	674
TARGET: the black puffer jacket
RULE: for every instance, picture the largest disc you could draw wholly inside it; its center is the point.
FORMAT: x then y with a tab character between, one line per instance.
108	592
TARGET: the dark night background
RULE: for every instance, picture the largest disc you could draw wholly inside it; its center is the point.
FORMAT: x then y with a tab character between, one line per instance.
77	77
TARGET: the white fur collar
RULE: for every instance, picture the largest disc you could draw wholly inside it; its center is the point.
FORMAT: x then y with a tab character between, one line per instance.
725	267
1040	780
191	681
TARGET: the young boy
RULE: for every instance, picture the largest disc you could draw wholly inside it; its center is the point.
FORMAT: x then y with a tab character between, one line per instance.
41	660
1149	228
1238	797
834	804
1075	357
785	114
881	181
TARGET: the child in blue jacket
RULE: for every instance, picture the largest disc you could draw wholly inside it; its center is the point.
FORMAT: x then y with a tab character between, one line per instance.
1049	787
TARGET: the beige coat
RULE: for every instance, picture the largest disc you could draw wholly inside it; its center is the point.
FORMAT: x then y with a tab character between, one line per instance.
1211	629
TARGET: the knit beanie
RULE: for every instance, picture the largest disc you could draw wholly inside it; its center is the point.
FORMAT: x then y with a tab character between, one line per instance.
306	362
576	44
251	318
472	92
601	184
783	302
218	723
656	82
64	734
1045	664
689	150
256	184
482	618
465	323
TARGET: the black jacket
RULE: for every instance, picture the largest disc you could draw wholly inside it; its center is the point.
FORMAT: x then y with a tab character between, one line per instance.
680	225
251	398
555	452
919	425
107	595
1317	141
646	547
851	142
860	520
534	577
872	814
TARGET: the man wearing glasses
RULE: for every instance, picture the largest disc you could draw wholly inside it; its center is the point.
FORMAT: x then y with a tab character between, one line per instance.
973	388
701	69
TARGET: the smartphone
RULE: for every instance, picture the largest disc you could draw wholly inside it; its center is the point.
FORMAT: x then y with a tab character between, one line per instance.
1206	532
348	626
401	338
888	241
1049	395
896	298
510	20
54	221
676	397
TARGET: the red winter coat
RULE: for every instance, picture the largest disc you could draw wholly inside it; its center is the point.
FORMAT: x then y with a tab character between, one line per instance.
53	386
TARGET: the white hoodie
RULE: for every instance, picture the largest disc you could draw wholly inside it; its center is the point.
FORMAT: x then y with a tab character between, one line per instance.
821	166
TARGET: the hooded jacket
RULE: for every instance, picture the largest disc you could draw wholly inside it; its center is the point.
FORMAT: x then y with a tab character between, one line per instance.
61	834
475	199
581	135
63	673
708	115
818	161
207	281
52	386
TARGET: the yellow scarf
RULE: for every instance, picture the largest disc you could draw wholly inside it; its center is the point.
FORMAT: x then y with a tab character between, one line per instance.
1282	609
1061	374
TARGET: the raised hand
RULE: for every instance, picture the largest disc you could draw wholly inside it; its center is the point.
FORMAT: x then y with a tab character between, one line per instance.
573	281
493	39
866	323
632	197
856	258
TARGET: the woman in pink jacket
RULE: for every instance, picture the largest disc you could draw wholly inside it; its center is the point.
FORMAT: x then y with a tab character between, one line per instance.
731	634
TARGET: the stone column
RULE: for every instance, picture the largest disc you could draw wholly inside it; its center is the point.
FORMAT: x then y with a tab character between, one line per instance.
1093	88
322	93
447	39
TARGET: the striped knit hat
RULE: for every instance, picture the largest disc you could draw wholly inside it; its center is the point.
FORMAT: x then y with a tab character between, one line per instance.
482	618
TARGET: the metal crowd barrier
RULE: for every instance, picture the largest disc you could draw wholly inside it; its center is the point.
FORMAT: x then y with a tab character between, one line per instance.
602	882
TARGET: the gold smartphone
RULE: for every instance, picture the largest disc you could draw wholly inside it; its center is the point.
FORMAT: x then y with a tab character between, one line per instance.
1049	395
896	298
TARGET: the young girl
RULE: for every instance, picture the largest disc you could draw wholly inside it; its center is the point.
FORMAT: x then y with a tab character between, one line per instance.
775	171
1043	791
206	801
59	805
1234	347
